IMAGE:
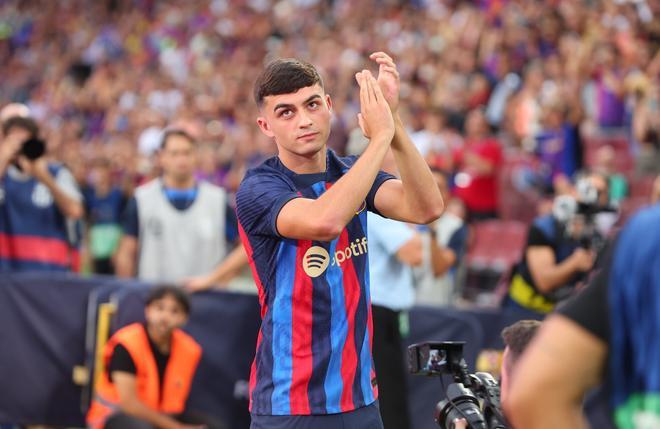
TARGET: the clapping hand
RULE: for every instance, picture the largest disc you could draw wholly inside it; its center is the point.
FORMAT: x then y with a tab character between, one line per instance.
388	79
375	116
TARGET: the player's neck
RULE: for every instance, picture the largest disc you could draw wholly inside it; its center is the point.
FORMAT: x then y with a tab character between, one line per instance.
163	343
301	164
178	183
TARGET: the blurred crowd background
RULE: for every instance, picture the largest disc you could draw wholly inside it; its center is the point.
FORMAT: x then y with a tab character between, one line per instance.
539	90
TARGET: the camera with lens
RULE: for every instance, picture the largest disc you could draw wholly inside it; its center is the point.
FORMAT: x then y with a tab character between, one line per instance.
473	397
33	148
585	219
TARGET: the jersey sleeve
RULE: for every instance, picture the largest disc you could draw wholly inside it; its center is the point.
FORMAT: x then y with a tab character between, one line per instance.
231	224
68	184
121	361
537	237
130	222
381	178
259	200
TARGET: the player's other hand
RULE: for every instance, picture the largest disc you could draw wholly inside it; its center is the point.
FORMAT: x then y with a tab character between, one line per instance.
388	79
375	116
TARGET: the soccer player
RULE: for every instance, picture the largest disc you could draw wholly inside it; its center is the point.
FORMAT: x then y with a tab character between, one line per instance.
303	222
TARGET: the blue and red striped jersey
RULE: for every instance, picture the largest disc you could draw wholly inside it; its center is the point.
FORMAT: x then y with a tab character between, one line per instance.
34	235
314	347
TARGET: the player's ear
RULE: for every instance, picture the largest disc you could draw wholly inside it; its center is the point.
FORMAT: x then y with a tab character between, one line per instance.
328	101
264	127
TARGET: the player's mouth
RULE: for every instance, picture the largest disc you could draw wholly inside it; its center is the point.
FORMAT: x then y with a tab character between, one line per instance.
308	136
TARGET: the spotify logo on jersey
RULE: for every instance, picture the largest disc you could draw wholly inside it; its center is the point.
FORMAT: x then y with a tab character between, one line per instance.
316	261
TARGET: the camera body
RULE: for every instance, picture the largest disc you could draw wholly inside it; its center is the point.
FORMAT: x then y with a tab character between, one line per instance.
584	219
33	148
474	397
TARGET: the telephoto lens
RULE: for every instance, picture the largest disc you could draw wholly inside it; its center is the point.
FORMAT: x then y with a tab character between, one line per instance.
33	148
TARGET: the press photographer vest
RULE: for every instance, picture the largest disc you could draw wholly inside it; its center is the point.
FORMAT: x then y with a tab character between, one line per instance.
177	244
184	357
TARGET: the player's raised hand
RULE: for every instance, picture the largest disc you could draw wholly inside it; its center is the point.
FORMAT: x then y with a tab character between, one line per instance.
388	78
375	116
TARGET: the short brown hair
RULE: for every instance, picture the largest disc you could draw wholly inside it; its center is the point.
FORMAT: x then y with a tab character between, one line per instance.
27	124
178	294
175	132
518	336
285	76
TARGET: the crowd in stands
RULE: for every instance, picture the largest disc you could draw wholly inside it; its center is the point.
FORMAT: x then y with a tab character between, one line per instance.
507	99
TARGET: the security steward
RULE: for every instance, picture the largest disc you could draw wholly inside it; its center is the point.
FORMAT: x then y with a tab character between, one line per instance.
149	370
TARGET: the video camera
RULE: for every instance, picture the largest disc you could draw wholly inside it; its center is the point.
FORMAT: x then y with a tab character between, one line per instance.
473	397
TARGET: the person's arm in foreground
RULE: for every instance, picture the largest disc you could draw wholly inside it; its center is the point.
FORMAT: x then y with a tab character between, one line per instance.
549	383
323	219
130	404
416	197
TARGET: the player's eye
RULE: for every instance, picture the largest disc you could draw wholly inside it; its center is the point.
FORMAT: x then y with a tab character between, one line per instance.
314	105
285	113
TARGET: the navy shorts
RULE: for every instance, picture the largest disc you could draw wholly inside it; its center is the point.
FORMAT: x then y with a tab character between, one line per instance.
363	418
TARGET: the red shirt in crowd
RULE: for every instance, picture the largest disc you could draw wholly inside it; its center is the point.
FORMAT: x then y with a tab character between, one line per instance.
478	190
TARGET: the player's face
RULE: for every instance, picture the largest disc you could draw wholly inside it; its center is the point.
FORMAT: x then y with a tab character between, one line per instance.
299	122
178	157
164	315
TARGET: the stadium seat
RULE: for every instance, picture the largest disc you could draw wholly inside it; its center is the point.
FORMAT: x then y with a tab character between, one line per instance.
641	187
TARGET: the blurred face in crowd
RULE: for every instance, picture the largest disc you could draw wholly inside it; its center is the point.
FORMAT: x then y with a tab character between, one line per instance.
299	121
101	176
476	125
164	315
17	134
177	158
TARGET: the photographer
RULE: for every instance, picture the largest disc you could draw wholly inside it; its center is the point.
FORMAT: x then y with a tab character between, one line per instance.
560	249
516	339
36	199
606	333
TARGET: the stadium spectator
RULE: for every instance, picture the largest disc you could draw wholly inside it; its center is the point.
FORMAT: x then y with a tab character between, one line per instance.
36	199
175	228
476	165
149	369
104	203
601	335
655	192
444	245
557	146
617	183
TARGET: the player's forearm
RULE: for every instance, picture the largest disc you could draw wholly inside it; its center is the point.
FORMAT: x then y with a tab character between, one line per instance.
421	194
338	205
